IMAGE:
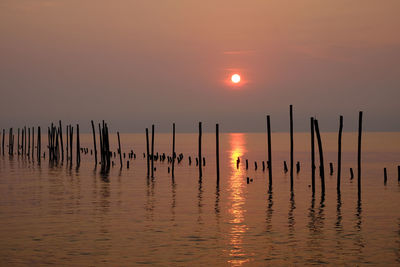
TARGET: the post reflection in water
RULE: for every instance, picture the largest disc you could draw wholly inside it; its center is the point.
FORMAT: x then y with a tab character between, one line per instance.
237	200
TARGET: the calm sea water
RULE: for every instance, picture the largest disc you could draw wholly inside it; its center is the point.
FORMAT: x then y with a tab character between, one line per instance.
67	216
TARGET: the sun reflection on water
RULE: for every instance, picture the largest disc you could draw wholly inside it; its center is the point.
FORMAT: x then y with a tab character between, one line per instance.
237	199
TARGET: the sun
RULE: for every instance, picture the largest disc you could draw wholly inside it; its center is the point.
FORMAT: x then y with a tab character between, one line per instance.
235	78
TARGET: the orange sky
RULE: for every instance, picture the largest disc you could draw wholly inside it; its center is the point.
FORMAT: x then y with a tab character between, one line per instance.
159	61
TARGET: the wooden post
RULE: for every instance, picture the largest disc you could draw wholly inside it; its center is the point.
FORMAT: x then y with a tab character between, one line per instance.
61	142
152	151
94	143
2	142
359	154
29	142
119	150
217	150
173	150
24	141
200	157
321	157
101	145
18	143
269	162
78	147
398	173
384	176
330	168
291	148
39	145
148	156
71	138
339	167
312	157
33	143
351	174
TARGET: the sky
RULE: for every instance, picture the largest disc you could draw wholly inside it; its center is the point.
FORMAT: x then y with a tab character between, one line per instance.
137	63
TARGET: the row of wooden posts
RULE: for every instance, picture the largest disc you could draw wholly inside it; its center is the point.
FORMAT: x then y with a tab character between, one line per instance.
56	149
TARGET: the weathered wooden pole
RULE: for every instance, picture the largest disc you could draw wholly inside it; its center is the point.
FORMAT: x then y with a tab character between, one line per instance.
359	154
321	157
147	156
18	143
217	150
291	148
33	143
398	174
339	167
29	142
24	141
61	141
152	151
173	150
78	147
71	138
39	145
269	162
119	150
312	157
94	143
384	176
2	142
200	157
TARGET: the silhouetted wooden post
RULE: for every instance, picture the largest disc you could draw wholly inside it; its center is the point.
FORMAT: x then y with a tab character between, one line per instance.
33	143
217	149
101	145
398	173
39	145
61	141
24	141
312	157
152	151
119	150
29	142
291	148
269	162
18	143
71	138
2	142
94	143
148	156
384	176
173	150
330	168
78	147
339	167
351	174
359	154
321	157
200	169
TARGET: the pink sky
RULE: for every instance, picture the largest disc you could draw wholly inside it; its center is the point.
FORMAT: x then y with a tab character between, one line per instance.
134	63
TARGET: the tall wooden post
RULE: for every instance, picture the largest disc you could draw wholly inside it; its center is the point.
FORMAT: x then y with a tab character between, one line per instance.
321	157
269	165
173	150
291	148
339	153
359	154
312	157
217	150
152	151
119	150
94	143
147	156
200	157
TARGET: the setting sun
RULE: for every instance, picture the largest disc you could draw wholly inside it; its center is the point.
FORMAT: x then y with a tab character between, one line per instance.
235	78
